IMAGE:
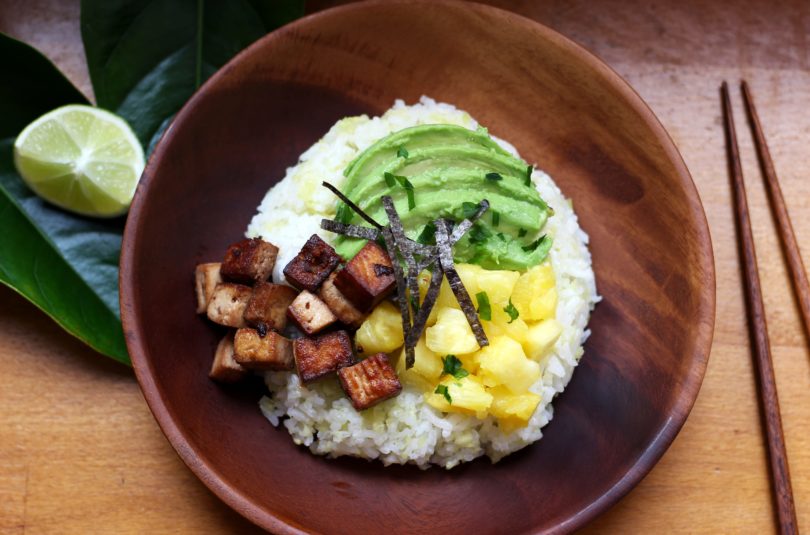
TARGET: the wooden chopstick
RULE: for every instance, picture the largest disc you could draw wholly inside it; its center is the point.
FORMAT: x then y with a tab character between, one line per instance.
797	273
780	475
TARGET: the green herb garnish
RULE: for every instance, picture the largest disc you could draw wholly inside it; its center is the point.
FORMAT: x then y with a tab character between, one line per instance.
468	209
529	171
478	234
496	218
494	177
389	180
534	245
428	234
521	232
402	152
453	366
484	310
442	389
512	311
406	184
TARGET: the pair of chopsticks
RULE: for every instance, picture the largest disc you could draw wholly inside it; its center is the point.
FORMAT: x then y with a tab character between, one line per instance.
780	475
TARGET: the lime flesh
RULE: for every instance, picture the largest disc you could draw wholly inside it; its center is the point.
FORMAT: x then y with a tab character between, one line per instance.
80	158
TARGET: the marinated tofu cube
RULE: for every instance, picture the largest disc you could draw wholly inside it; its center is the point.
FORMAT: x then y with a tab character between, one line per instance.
345	311
248	261
269	352
206	278
228	304
322	355
370	381
268	305
310	314
225	369
368	278
312	265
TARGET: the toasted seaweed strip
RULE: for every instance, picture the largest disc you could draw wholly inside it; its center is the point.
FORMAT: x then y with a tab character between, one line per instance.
404	309
400	240
359	211
463	298
429	302
353	231
467	224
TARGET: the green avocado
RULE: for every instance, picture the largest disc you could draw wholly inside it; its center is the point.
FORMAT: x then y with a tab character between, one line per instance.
450	169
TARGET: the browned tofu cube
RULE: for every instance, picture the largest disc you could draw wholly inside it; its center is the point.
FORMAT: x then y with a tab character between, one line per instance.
256	352
312	265
319	356
228	304
368	278
345	311
370	381
225	369
206	278
310	314
268	305
248	261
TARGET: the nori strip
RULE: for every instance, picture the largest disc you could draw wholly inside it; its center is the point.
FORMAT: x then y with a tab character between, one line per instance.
352	231
359	211
467	224
399	240
463	298
429	302
390	244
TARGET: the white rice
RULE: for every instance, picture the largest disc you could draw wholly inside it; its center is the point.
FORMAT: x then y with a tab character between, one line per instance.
406	429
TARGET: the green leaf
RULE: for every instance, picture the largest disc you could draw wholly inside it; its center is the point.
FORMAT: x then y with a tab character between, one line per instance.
442	389
512	310
64	264
451	365
146	57
484	309
494	177
402	152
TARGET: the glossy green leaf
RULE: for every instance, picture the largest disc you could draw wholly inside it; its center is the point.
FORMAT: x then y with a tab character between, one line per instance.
65	265
146	57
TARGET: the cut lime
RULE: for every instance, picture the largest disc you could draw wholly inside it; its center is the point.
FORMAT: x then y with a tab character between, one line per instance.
82	159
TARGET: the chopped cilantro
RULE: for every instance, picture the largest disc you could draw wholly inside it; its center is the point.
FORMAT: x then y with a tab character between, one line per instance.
478	234
484	310
402	152
512	311
521	232
453	366
468	209
442	389
494	177
344	214
428	234
496	218
529	171
406	184
534	245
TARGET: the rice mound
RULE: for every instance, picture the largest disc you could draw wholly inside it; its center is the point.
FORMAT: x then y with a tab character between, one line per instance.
406	429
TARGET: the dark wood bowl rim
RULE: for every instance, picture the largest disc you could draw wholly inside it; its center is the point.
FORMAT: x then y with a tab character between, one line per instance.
231	495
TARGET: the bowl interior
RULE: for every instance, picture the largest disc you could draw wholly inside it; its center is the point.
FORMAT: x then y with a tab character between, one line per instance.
563	110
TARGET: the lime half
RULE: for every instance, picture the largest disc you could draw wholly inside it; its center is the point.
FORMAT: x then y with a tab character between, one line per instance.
82	159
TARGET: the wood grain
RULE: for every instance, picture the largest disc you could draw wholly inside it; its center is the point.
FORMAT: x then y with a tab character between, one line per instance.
758	327
80	452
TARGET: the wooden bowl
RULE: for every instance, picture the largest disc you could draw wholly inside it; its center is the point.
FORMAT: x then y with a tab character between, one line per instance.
564	110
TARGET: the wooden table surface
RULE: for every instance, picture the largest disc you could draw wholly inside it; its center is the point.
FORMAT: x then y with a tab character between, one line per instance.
80	451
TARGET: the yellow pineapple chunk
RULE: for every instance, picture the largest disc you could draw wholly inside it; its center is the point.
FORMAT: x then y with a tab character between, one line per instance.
468	395
514	408
424	282
541	338
381	332
427	365
498	284
535	294
503	362
501	326
451	334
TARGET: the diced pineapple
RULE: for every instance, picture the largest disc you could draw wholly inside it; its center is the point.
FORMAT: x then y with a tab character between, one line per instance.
498	284
468	395
514	408
469	362
535	295
424	282
427	364
501	326
503	362
541	338
451	333
381	332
